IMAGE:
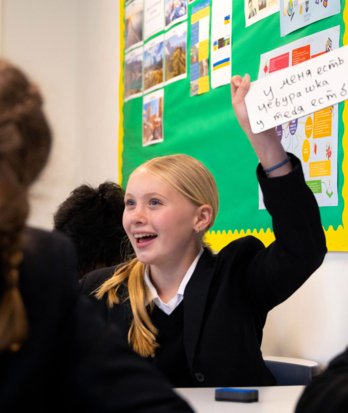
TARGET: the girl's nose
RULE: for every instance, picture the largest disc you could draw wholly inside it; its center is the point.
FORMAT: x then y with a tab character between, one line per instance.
139	214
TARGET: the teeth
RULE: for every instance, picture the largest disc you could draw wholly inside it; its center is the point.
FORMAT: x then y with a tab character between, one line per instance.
137	236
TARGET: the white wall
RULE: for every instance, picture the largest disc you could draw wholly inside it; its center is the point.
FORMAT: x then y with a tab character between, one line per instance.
97	89
313	322
71	48
41	36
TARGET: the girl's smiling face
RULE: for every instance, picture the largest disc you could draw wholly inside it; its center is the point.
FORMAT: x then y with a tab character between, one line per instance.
160	222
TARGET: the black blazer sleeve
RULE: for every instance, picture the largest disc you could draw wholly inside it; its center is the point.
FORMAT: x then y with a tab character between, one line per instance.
299	248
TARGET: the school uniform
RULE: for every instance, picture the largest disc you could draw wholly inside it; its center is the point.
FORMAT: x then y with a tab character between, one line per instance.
220	320
72	361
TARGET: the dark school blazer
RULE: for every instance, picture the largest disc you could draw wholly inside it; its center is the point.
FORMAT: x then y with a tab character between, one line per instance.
72	362
230	293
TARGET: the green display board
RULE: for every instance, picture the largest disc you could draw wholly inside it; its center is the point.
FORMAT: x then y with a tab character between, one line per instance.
205	127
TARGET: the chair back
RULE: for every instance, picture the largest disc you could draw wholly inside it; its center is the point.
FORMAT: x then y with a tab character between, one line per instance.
292	371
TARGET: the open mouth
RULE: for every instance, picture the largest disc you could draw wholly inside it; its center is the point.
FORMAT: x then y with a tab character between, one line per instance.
142	238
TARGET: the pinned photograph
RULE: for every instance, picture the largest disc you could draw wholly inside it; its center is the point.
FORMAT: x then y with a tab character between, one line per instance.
175	47
134	23
256	10
175	11
153	118
133	73
153	63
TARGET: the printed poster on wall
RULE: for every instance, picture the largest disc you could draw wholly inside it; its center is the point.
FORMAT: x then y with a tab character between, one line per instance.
297	14
221	44
312	138
199	53
153	63
175	11
256	10
153	118
133	73
134	13
175	50
153	17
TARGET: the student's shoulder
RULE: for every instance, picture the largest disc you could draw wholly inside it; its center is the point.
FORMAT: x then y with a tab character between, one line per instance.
327	392
237	250
245	244
49	248
92	280
48	265
34	237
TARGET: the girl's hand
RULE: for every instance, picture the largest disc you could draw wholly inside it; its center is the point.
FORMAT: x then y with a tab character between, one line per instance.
239	88
266	144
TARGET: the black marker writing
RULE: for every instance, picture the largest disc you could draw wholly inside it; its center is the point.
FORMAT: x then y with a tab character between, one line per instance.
343	91
317	84
331	65
260	123
269	93
276	102
289	114
324	100
297	77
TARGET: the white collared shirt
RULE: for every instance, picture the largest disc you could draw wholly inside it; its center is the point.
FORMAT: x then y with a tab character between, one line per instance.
171	305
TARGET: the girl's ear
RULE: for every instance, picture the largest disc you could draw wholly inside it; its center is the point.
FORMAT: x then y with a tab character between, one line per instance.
203	218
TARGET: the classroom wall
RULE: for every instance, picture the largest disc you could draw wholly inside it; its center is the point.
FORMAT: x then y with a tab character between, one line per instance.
72	48
41	36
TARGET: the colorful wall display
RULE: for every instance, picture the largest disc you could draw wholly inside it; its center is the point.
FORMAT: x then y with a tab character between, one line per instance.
175	97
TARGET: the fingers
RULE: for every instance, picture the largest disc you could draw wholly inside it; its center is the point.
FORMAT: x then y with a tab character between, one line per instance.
235	83
240	86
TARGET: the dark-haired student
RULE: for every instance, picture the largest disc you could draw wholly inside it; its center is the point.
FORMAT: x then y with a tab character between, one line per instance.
56	352
92	218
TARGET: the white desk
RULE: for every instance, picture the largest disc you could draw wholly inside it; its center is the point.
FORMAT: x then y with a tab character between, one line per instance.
272	399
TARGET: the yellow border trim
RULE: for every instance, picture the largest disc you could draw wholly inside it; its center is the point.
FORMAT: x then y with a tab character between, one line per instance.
217	240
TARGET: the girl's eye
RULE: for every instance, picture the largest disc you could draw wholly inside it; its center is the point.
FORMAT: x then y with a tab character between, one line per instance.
155	201
129	202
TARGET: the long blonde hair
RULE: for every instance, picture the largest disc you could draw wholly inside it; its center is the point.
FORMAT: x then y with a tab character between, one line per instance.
192	179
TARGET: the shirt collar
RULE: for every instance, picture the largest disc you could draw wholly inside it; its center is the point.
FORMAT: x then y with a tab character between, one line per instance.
176	300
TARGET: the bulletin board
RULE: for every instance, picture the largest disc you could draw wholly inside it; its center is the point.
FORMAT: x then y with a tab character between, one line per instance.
204	126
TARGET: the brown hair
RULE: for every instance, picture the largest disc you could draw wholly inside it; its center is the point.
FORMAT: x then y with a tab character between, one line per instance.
193	180
25	141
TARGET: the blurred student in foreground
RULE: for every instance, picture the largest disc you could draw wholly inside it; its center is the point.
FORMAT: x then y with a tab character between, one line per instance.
327	392
56	353
92	219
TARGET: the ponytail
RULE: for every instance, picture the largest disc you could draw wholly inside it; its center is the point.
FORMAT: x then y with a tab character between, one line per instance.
13	319
25	142
142	333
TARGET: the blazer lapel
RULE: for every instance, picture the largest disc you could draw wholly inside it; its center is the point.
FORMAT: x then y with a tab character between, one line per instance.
195	298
